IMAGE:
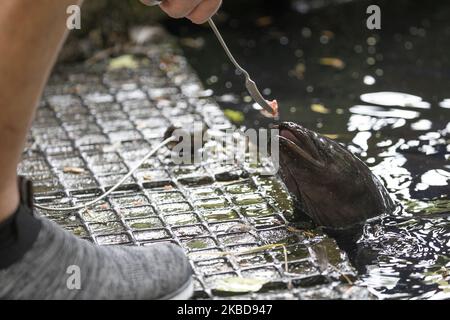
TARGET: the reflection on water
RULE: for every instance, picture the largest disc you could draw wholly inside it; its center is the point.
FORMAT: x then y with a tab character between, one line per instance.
412	257
384	113
385	94
422	125
436	177
395	99
445	103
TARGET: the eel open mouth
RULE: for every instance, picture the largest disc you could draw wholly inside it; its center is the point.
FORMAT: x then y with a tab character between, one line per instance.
297	143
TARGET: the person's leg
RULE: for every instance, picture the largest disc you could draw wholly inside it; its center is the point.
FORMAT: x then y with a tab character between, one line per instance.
38	259
31	33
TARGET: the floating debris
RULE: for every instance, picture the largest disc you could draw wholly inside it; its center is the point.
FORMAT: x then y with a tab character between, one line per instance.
332	62
264	21
320	108
332	136
298	71
327	33
234	115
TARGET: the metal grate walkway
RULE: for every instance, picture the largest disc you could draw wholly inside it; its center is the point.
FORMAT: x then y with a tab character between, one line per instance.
94	124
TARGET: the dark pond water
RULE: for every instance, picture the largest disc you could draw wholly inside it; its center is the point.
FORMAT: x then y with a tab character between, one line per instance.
384	93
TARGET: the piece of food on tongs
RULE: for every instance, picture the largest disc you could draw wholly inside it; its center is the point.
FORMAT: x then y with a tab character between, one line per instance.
274	105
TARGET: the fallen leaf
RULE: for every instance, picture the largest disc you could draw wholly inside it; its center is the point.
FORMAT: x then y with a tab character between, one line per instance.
74	170
332	62
147	177
319	108
264	21
195	43
126	61
298	71
235	116
332	136
239	284
327	33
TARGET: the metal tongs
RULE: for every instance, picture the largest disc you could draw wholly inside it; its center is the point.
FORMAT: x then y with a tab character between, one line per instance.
249	83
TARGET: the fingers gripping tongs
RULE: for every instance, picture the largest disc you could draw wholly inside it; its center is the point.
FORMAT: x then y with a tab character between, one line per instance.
249	83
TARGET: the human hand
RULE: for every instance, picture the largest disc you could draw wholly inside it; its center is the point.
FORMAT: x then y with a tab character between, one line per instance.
198	11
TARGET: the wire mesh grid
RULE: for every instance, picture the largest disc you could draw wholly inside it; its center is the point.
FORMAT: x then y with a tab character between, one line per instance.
94	123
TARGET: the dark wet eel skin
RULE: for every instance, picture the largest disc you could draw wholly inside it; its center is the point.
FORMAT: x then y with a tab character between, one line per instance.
328	183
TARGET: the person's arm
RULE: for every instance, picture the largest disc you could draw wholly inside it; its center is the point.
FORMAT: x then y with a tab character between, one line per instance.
31	34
